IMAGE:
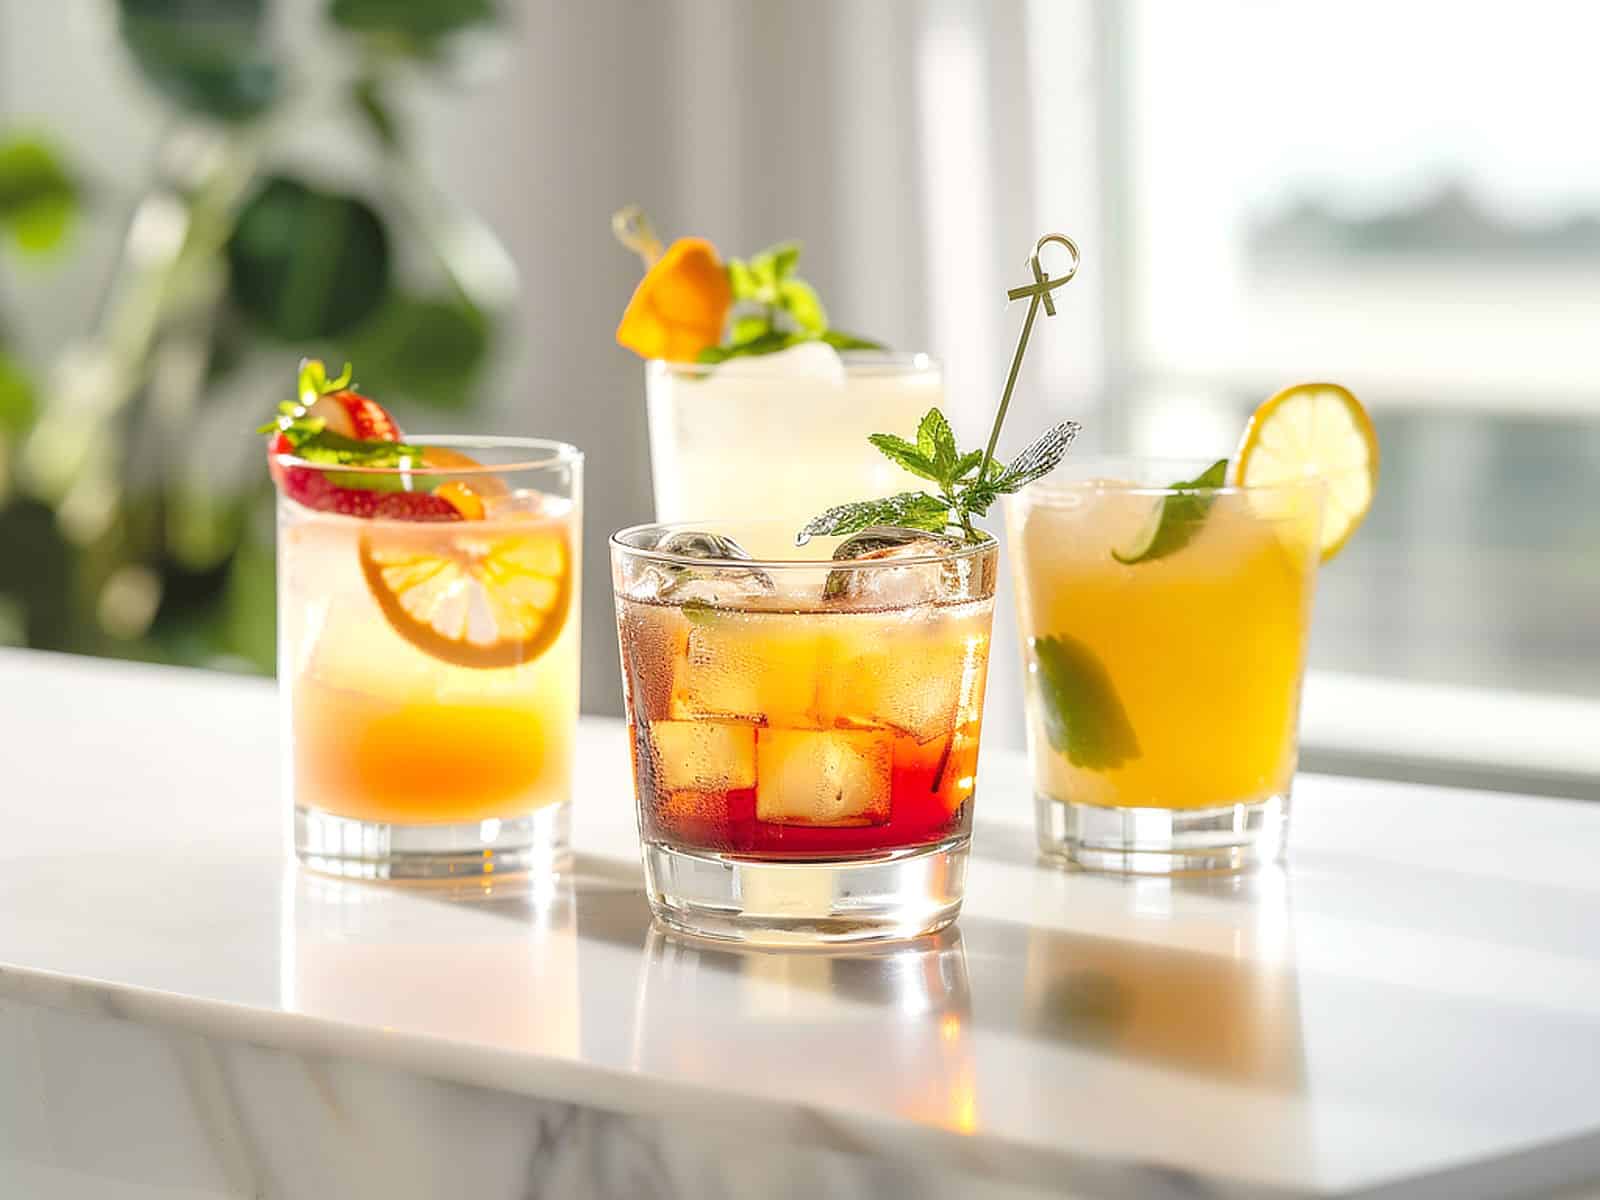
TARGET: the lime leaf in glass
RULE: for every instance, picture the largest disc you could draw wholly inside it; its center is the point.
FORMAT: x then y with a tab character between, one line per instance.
1174	522
1083	717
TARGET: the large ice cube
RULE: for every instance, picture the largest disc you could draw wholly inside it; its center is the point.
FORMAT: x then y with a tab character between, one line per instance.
921	676
891	586
835	778
707	756
759	667
721	581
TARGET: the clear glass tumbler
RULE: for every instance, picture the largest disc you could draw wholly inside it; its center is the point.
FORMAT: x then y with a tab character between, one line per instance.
804	730
1164	637
793	433
428	662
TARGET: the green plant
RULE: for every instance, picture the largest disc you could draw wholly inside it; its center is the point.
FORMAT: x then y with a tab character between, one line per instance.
134	510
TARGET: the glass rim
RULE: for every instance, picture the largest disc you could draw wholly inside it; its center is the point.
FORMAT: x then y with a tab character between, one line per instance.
553	454
1053	487
856	363
990	545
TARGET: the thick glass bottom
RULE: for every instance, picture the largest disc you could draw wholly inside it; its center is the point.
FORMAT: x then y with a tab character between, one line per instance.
1163	841
894	895
537	842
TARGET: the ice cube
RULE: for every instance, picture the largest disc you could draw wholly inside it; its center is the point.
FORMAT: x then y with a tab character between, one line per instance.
706	756
762	668
833	778
894	587
809	360
677	583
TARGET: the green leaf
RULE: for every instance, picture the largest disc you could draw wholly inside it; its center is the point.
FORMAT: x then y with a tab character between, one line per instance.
416	27
431	350
768	343
840	340
1083	717
785	257
307	263
741	280
911	510
16	397
748	329
326	446
937	442
764	270
799	299
1174	522
967	464
373	105
38	198
905	455
209	56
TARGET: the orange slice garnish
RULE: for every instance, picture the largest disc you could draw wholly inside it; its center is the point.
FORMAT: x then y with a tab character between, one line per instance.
472	596
681	304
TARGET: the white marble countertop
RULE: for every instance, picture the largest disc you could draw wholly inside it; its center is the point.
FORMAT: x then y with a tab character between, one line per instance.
1411	1008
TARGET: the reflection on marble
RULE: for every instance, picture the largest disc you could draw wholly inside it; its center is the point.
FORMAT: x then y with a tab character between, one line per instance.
1412	1008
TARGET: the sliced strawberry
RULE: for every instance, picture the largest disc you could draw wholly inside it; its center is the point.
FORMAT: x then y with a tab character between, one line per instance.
313	489
415	506
353	415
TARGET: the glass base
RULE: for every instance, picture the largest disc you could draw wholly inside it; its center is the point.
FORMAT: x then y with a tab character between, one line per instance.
1163	841
900	894
536	842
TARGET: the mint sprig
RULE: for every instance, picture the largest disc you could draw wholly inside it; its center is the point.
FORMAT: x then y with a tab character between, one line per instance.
967	483
775	309
963	492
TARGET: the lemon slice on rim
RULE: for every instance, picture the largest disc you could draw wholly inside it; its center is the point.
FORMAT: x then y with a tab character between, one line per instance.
1315	429
469	596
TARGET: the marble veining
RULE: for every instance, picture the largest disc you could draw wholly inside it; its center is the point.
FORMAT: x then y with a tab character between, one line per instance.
1412	1007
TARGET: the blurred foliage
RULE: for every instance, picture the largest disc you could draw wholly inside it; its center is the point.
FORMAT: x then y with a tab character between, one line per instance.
134	509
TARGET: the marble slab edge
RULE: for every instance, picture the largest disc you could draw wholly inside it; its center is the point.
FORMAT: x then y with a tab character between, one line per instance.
718	1116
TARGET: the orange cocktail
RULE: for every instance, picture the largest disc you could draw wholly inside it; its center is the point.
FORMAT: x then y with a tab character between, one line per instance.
429	661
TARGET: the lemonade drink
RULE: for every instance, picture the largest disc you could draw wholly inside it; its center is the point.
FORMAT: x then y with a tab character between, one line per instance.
1163	668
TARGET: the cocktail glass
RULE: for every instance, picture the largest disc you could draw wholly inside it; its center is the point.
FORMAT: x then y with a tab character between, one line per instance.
790	428
804	730
1164	638
429	668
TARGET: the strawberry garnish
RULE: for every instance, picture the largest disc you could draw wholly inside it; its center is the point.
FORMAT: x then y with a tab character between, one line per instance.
352	415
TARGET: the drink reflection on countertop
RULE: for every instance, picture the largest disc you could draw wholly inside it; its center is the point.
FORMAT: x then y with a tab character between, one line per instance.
1217	999
350	951
907	1009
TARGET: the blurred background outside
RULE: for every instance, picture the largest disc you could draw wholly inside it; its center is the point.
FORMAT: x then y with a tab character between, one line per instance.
194	193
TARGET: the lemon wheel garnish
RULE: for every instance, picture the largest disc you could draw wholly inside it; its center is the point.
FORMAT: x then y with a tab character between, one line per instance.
1315	429
472	597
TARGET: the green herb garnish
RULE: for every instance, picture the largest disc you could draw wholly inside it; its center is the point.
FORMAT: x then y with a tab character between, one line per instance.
775	309
309	436
1174	522
1083	718
968	483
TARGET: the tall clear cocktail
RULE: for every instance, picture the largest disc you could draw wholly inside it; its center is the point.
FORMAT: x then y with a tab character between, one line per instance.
1164	635
790	428
804	729
428	656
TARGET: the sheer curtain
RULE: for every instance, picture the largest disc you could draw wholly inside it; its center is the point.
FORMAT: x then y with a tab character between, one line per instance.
917	149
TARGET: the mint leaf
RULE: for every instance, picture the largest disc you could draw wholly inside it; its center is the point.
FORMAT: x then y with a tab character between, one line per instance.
840	340
747	329
967	464
1040	458
905	455
769	342
325	446
785	257
1083	717
1177	519
910	510
937	442
741	280
799	299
